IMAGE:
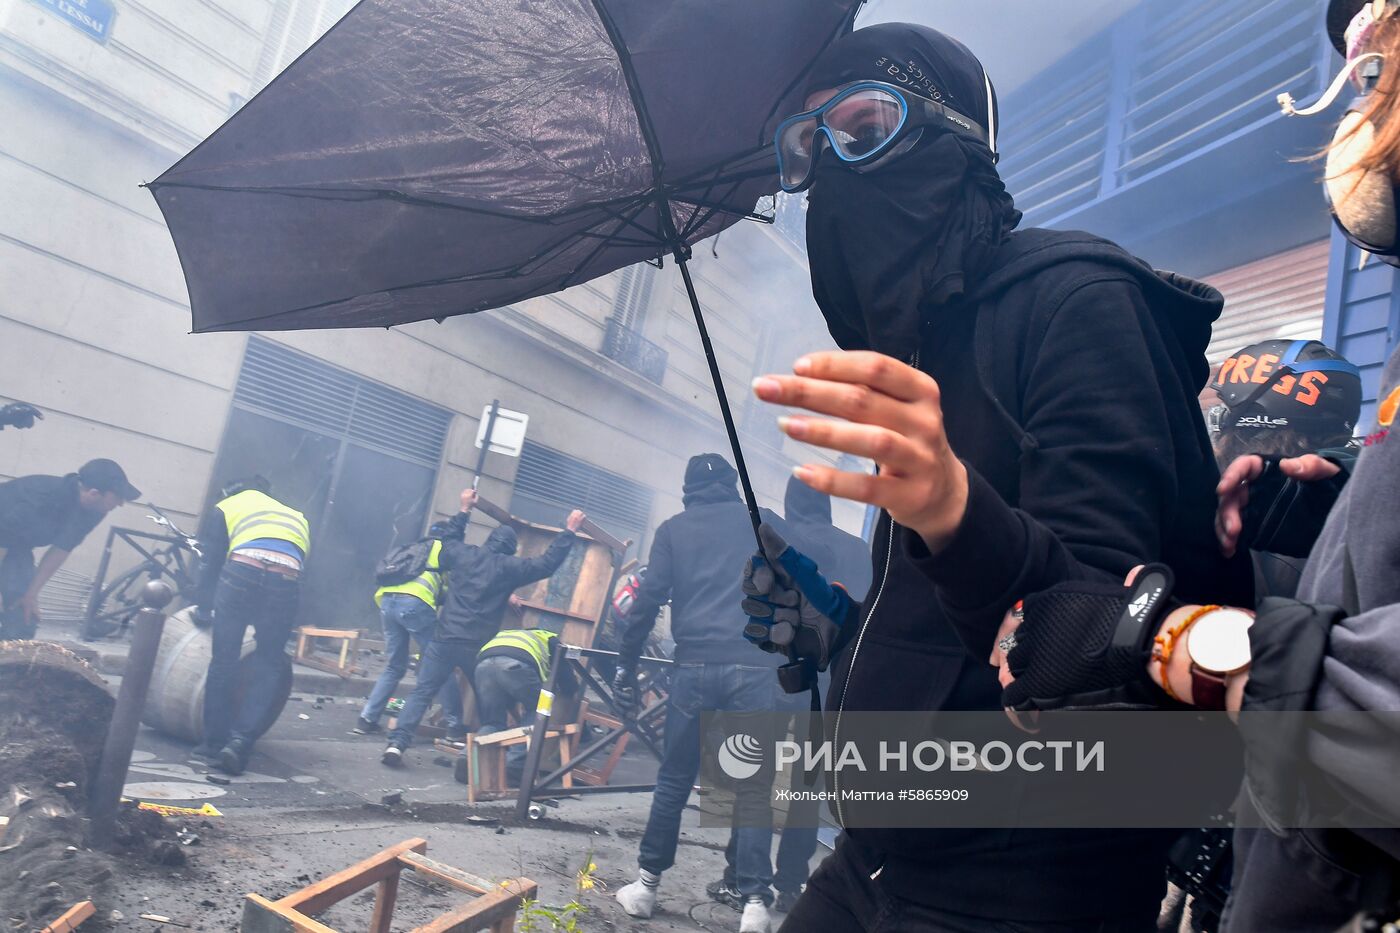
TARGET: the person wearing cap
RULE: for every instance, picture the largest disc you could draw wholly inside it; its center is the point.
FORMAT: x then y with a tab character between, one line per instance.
56	512
254	548
480	583
1030	399
694	558
409	611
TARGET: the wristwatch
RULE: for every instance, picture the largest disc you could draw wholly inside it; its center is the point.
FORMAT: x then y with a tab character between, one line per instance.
1218	645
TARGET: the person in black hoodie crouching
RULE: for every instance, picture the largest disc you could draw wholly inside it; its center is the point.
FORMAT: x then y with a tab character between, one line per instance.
1030	400
693	558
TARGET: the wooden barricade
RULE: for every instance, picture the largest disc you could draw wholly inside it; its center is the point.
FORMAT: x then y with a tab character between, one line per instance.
493	906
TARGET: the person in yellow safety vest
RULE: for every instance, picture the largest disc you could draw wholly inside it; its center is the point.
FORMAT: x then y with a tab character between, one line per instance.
511	669
253	549
409	611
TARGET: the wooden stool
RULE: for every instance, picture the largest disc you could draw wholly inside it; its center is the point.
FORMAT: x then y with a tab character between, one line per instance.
349	640
493	907
486	759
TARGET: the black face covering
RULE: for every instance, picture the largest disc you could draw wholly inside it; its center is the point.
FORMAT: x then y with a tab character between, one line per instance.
889	247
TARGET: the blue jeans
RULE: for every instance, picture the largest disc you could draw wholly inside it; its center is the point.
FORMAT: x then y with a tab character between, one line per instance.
440	660
404	617
268	602
697	688
798	840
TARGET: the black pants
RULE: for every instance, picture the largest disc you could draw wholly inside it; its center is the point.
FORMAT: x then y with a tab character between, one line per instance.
503	683
16	573
266	601
841	897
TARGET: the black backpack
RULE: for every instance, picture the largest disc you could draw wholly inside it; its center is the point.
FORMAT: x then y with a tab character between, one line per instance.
404	563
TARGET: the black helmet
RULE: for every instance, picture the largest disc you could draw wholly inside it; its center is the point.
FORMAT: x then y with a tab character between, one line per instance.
1298	384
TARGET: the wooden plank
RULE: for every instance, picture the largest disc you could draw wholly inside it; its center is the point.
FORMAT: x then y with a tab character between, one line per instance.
4	827
72	918
555	611
494	511
485	911
597	533
447	874
314	632
384	902
518	735
317	897
263	916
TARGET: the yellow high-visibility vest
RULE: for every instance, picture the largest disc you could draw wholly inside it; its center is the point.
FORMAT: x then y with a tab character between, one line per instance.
427	586
251	515
538	643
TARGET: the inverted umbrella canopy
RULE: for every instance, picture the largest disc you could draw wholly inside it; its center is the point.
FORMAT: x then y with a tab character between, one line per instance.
428	158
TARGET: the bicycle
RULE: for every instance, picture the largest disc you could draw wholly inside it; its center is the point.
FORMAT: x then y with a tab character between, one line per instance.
172	557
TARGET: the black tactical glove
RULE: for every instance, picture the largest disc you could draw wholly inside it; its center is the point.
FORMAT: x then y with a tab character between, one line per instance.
791	606
1285	515
19	415
1086	645
626	696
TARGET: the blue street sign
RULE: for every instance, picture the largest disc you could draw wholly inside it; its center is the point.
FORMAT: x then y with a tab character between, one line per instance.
93	17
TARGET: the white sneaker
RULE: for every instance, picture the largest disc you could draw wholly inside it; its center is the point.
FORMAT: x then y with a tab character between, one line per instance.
755	918
639	900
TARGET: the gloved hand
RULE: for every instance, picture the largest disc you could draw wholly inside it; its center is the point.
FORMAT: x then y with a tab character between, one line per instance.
201	617
790	605
19	415
1086	645
626	696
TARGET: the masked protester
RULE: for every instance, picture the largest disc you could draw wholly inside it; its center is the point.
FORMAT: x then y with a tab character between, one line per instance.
1293	655
845	559
692	561
480	580
1030	402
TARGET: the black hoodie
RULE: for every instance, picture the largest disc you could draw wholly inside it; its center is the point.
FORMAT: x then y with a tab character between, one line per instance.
807	526
1069	381
481	579
695	560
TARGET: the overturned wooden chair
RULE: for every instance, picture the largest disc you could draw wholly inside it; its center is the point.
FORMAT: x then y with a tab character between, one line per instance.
493	906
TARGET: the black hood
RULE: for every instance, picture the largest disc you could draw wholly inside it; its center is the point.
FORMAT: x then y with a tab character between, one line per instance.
802	503
502	540
1181	306
890	246
708	479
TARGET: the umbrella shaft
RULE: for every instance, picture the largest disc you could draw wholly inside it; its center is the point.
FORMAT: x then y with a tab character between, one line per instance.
749	499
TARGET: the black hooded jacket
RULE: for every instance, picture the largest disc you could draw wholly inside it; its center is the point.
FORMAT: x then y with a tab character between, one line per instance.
481	578
694	563
807	526
1068	384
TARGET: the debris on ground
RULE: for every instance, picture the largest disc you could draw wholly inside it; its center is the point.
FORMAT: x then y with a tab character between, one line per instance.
54	713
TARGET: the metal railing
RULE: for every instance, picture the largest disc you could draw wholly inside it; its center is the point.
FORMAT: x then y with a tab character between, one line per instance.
624	345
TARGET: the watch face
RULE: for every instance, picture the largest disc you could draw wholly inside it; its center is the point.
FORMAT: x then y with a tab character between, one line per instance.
1219	641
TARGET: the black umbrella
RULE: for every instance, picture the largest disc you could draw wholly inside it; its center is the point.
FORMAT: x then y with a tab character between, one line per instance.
428	158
